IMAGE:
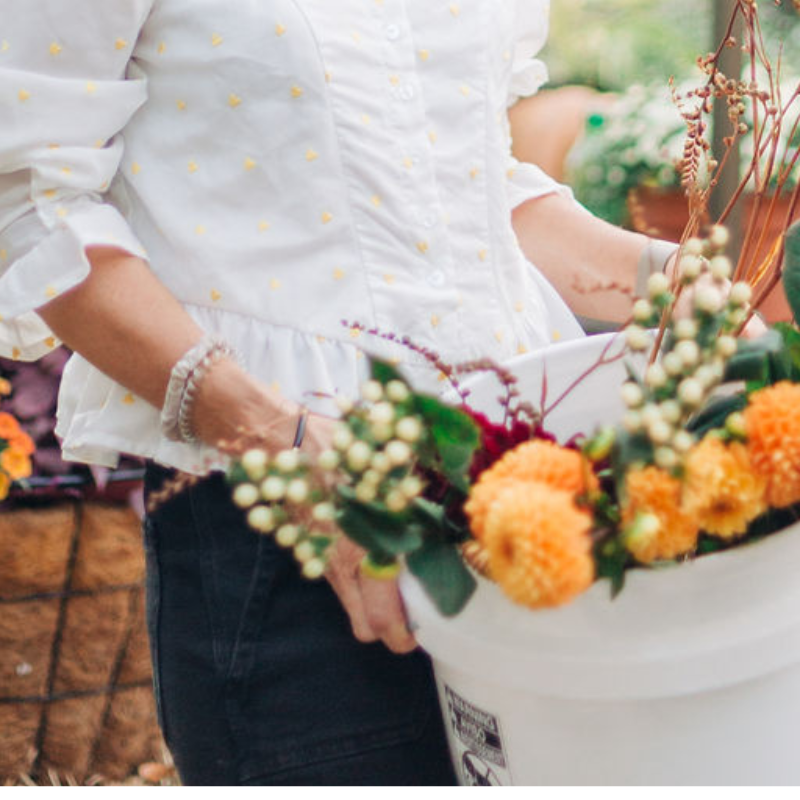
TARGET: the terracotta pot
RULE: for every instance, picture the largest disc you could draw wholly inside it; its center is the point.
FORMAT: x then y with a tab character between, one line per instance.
75	676
663	213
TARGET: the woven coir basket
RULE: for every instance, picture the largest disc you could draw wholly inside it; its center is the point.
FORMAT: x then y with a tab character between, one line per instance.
75	680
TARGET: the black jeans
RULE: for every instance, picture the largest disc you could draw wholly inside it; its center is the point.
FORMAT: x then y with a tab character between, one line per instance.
257	675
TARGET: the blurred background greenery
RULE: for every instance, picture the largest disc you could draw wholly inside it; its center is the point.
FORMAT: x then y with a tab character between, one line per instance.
611	44
627	137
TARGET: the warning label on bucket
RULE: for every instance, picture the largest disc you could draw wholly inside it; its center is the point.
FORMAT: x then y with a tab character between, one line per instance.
476	733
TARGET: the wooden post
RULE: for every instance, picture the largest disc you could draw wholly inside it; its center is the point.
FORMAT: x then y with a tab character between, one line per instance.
731	65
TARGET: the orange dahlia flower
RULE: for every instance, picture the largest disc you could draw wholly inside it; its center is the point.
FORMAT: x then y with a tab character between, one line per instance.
538	545
656	493
772	422
537	460
8	425
15	463
720	488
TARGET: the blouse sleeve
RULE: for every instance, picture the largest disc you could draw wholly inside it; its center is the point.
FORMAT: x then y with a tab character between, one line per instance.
528	74
65	99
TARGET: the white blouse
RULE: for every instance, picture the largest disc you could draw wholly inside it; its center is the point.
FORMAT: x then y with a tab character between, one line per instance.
284	166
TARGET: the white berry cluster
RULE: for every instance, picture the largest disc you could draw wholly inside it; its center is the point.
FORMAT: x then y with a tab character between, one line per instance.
280	498
373	451
695	351
374	445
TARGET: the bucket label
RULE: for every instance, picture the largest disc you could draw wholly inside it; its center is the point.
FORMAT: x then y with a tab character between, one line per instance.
476	733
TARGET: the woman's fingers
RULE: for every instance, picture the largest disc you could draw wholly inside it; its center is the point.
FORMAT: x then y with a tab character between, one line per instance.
385	613
343	575
374	606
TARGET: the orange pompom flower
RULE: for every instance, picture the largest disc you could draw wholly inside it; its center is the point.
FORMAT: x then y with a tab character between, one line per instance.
720	489
656	494
15	464
538	544
772	423
8	425
537	460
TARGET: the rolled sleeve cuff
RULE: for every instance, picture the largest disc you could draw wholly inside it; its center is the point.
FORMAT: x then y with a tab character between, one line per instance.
527	181
56	264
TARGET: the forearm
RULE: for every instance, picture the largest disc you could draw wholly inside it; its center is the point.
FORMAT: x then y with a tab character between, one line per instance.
126	323
592	264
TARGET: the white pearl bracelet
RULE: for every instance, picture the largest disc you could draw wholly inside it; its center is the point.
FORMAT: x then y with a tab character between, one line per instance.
184	381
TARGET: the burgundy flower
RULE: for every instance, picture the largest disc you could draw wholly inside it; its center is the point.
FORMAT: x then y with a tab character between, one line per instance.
497	439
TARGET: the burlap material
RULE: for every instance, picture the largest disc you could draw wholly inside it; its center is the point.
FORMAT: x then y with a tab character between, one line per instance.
75	693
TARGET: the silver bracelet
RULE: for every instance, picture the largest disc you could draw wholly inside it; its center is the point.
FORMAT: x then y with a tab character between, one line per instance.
654	258
182	387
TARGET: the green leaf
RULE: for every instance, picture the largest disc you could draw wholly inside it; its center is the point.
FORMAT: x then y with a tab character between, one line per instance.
612	559
377	530
440	569
715	414
791	269
455	436
236	474
629	449
751	358
785	365
383	372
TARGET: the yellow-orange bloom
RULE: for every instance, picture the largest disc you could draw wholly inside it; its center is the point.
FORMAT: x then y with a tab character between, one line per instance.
5	485
22	443
655	492
538	545
5	387
720	488
15	464
537	460
8	425
772	422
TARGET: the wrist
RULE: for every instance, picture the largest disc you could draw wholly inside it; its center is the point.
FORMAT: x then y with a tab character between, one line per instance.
233	411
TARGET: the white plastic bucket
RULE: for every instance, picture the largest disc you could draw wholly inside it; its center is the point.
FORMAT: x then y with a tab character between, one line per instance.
690	676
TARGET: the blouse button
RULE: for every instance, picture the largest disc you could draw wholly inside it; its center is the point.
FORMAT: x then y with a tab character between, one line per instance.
436	278
430	219
406	92
392	32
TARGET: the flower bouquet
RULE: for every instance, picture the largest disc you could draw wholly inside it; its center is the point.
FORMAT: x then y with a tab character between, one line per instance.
641	491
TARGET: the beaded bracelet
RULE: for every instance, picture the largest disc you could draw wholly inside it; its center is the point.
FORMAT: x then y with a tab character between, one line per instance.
183	383
653	259
217	351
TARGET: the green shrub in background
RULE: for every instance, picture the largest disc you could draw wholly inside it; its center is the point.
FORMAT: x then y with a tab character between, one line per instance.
633	47
613	44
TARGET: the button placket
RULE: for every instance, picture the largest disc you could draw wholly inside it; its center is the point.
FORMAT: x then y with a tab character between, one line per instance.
406	114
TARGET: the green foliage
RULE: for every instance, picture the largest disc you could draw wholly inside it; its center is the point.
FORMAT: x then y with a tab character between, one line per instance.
751	359
629	449
715	413
381	533
791	269
383	372
454	438
440	569
612	559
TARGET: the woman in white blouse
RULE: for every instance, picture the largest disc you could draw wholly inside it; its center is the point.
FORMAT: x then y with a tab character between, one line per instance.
259	172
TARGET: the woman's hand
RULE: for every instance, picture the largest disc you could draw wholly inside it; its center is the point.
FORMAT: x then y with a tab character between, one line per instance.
374	606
